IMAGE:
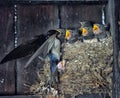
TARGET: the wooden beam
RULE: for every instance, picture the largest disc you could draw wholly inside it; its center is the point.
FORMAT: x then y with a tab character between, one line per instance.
32	20
7	72
51	96
11	2
23	96
113	13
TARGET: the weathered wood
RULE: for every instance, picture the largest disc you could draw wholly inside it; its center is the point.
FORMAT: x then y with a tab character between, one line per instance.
113	18
32	20
119	23
71	15
92	96
38	19
50	96
61	1
22	96
7	72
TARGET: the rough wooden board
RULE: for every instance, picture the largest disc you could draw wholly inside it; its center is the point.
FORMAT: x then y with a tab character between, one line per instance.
49	96
71	15
65	0
32	20
113	9
62	1
7	72
22	96
36	19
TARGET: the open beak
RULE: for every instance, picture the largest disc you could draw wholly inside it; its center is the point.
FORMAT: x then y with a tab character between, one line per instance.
84	31
67	35
95	27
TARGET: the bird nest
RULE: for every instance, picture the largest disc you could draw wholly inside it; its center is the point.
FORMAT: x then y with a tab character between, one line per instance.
88	68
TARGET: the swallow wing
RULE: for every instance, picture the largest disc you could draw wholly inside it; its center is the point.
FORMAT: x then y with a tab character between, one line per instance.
43	50
25	48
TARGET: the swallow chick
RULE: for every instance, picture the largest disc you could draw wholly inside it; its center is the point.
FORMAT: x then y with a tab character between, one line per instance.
72	35
100	31
86	30
87	34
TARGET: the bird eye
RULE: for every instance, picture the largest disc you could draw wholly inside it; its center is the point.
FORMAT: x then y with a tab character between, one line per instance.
68	34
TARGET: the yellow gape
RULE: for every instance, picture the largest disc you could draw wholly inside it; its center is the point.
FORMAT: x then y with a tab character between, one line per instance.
68	35
84	31
95	27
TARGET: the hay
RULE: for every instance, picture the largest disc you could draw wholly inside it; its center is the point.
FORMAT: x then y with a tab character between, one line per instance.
88	68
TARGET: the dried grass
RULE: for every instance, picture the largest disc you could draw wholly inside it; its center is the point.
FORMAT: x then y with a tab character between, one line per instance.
88	68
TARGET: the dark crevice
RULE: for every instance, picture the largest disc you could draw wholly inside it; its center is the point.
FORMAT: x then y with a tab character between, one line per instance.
59	15
61	2
15	43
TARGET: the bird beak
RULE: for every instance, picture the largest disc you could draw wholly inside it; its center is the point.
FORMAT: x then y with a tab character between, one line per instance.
95	27
67	35
84	31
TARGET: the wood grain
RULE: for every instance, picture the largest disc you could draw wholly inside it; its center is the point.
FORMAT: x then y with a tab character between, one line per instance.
7	72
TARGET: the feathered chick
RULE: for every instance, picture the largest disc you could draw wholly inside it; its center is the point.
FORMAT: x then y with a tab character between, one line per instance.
101	31
68	34
71	35
86	30
98	28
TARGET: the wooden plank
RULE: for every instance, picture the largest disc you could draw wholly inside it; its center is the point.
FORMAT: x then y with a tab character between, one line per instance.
30	96
12	2
92	96
50	96
32	20
22	96
71	15
62	1
113	19
7	72
37	19
119	23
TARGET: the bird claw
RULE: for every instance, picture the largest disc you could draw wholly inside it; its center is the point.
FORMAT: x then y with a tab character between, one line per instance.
52	80
50	90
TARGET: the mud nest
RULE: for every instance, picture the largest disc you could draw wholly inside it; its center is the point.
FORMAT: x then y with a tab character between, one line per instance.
88	68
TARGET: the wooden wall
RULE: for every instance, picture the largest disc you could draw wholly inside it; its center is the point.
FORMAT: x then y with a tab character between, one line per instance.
7	72
34	19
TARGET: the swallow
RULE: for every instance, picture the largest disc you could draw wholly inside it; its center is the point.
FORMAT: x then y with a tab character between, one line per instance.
29	47
41	46
101	31
72	35
68	34
86	30
87	33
